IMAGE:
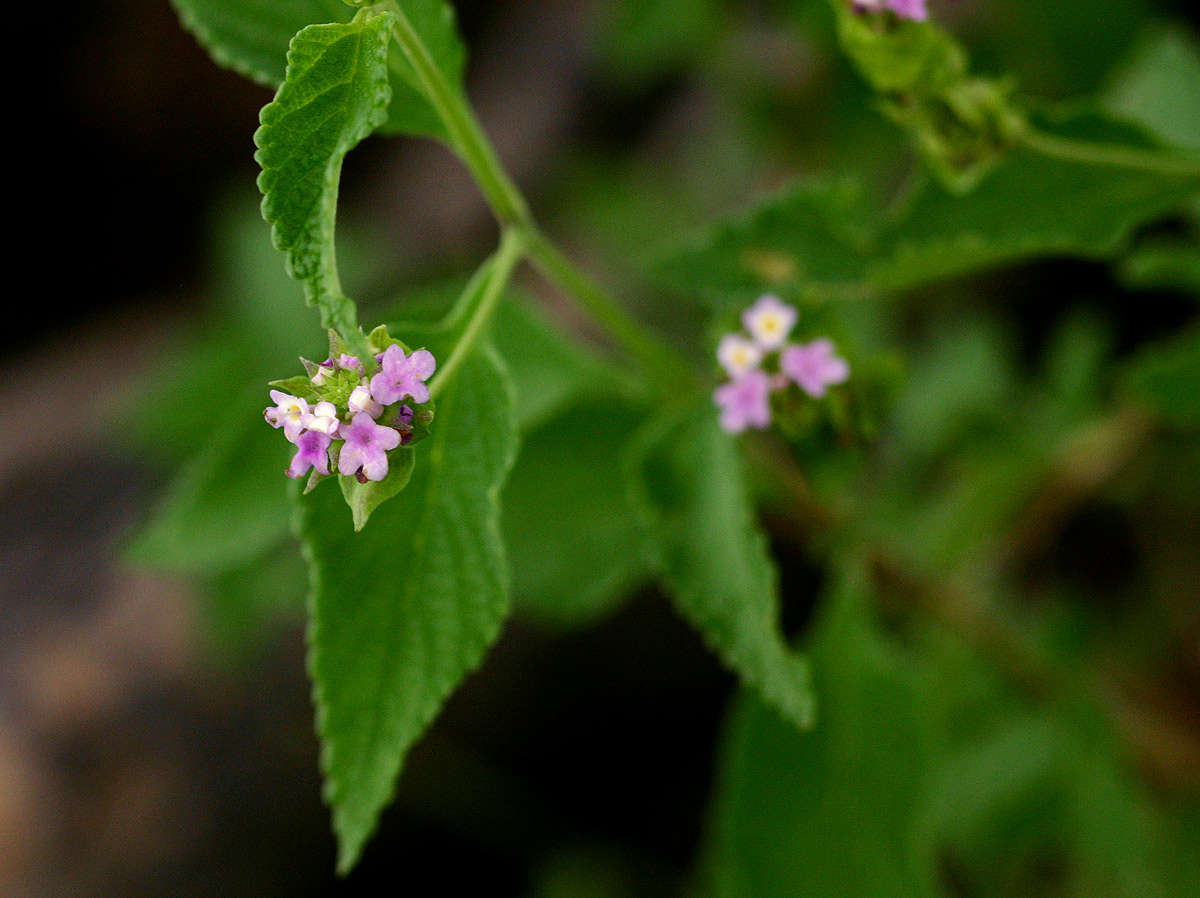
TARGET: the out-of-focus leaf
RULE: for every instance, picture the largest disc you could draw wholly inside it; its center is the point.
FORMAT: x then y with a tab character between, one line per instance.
228	504
402	611
1166	378
816	239
702	537
644	38
810	237
833	811
1158	86
568	525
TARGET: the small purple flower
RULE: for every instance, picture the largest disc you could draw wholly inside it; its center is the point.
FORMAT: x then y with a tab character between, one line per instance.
366	447
312	451
289	413
403	375
769	321
909	9
349	361
814	367
745	402
905	9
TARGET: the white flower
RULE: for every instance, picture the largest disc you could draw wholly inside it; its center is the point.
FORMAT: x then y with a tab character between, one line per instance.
738	355
769	321
360	401
323	419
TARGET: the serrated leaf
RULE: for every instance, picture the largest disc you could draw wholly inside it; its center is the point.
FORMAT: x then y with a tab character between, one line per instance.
227	505
568	524
335	94
404	610
252	36
364	498
700	530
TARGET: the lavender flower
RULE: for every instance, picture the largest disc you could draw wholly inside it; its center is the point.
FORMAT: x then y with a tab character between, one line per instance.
909	9
366	447
403	376
288	413
769	322
814	367
905	9
738	355
312	451
745	402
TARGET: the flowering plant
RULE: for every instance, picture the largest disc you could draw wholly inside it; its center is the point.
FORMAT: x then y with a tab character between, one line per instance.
598	469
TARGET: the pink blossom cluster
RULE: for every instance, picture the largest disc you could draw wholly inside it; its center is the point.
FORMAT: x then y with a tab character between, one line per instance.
761	361
366	426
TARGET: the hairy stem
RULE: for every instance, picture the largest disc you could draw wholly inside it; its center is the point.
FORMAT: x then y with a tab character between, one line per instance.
466	135
500	269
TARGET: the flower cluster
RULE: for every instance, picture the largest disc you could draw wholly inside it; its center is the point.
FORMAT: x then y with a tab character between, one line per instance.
904	9
764	362
338	416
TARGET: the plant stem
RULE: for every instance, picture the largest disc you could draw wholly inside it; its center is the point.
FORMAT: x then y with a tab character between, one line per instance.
1111	155
501	267
466	135
509	206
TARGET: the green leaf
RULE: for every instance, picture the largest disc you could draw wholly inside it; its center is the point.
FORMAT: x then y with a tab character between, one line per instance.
549	370
228	504
812	240
335	94
568	525
404	610
809	238
832	811
364	498
701	533
1166	378
1031	205
252	36
1159	87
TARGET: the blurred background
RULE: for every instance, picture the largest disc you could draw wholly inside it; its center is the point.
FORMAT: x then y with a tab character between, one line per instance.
155	725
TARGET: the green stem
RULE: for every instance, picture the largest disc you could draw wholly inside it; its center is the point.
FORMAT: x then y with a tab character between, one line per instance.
509	206
1088	153
466	134
650	351
500	269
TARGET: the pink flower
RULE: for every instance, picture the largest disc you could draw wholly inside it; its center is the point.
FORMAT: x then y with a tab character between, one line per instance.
366	447
745	402
814	367
312	451
403	376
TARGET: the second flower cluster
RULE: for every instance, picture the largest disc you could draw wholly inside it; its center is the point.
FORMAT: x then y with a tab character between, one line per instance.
761	362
